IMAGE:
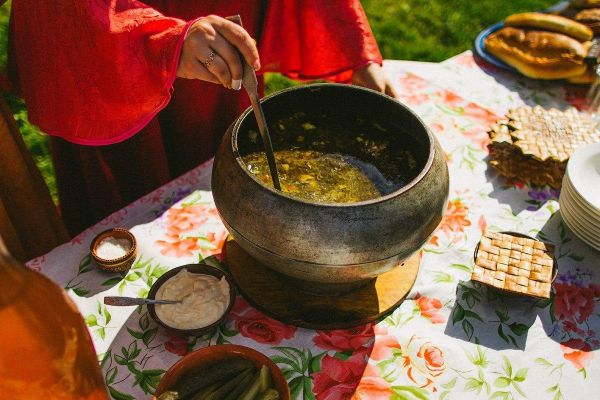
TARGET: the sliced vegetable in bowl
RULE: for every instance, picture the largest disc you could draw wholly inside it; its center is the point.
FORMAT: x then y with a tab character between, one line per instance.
223	372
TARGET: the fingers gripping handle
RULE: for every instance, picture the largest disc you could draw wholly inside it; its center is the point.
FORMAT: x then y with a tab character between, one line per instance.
249	78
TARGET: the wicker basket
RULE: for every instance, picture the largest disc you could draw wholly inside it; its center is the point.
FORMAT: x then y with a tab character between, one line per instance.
515	263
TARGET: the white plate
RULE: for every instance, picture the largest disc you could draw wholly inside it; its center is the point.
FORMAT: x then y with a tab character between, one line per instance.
584	173
589	229
577	229
582	213
592	228
585	219
579	202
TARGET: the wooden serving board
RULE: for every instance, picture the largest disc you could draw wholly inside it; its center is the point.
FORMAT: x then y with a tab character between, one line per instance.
269	292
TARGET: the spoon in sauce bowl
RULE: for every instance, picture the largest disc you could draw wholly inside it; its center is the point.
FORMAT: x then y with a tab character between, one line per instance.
135	301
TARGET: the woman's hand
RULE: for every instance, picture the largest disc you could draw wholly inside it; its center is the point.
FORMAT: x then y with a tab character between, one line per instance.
371	76
210	52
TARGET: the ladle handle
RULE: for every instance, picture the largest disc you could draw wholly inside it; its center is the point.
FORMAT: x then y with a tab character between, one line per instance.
250	83
249	77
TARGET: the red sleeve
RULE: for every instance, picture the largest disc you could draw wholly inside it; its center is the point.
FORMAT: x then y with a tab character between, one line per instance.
94	71
312	39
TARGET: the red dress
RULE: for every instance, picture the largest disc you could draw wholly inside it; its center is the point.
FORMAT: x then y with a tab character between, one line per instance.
99	77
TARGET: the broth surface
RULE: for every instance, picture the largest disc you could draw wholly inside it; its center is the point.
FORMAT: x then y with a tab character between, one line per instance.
329	159
315	176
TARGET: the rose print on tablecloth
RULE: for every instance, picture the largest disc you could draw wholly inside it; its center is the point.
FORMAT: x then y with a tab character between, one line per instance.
423	361
183	231
455	218
372	386
577	352
411	90
430	308
176	345
419	360
386	346
574	304
338	378
253	324
345	339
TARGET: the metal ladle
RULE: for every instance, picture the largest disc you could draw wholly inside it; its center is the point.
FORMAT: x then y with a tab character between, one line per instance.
251	85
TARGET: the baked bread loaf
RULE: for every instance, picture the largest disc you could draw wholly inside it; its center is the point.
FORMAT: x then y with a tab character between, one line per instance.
587	78
585	3
590	17
549	22
538	54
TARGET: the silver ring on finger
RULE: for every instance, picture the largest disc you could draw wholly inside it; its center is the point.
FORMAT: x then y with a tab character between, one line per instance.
209	60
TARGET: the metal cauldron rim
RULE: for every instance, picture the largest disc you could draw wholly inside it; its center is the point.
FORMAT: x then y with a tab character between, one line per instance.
315	87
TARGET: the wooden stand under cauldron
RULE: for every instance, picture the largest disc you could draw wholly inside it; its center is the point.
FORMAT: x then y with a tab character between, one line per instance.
273	294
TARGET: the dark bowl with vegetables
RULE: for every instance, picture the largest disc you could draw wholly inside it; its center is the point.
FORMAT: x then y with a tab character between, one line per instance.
224	372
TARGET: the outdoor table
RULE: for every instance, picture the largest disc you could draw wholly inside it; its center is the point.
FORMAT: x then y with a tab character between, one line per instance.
451	339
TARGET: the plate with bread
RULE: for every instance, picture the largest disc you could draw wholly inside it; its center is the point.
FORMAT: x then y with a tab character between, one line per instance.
560	43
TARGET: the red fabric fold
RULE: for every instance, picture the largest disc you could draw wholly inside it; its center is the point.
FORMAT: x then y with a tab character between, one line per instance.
316	39
94	72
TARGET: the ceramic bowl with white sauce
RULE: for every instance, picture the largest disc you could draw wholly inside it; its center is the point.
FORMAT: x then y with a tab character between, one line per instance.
206	294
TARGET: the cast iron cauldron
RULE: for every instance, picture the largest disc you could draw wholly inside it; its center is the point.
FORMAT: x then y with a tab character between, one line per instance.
330	248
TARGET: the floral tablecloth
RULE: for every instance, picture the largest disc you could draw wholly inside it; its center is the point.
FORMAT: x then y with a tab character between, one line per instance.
451	339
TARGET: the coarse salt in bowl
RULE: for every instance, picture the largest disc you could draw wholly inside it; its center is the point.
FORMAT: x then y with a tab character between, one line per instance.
114	249
111	248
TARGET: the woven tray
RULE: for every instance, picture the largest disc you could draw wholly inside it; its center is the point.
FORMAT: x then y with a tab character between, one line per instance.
534	144
515	263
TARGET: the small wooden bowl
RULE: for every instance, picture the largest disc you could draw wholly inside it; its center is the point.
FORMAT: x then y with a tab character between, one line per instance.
195	269
120	264
202	358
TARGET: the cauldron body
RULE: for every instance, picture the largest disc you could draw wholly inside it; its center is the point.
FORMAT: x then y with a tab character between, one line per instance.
329	248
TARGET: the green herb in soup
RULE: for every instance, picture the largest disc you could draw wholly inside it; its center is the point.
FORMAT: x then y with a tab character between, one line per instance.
315	176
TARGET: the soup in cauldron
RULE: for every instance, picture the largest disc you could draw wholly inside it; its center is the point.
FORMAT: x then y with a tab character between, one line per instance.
336	164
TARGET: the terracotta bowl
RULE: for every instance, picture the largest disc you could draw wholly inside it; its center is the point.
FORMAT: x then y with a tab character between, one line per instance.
195	269
200	359
120	264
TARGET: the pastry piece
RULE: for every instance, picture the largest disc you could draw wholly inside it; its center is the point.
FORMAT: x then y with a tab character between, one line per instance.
587	78
590	17
532	277
585	3
538	54
534	144
549	22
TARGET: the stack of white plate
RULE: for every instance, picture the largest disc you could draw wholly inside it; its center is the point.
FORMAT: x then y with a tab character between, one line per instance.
580	195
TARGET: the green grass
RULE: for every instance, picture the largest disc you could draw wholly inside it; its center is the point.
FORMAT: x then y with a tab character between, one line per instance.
423	30
434	30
